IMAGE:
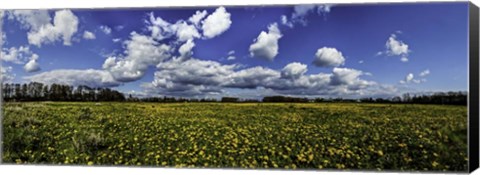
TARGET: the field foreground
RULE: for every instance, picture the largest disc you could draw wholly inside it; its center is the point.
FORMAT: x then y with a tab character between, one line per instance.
236	135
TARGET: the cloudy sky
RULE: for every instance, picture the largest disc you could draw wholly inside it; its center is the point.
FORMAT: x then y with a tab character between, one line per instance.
350	51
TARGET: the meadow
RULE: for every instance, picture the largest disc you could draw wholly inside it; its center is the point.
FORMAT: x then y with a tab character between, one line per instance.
238	135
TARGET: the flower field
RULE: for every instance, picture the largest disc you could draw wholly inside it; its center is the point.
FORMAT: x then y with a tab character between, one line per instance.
238	135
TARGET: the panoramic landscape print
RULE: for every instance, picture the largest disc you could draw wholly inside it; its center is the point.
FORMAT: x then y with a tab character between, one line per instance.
311	86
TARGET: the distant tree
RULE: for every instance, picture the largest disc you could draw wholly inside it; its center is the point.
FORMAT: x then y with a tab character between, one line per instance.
229	99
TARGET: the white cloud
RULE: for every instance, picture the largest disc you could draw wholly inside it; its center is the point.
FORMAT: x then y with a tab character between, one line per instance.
300	12
324	8
162	29
65	24
75	77
141	52
360	62
186	49
6	75
294	70
395	47
231	57
216	23
266	44
197	17
32	65
424	73
328	57
190	77
186	32
16	55
3	38
88	35
203	78
211	26
116	40
286	22
105	29
345	76
410	78
252	78
30	19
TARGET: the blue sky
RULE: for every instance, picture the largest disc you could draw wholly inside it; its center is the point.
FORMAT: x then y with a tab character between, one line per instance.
247	51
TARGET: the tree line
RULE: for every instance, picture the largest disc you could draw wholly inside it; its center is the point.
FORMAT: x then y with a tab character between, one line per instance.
35	91
446	98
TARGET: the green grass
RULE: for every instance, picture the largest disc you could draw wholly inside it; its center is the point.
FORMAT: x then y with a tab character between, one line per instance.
251	135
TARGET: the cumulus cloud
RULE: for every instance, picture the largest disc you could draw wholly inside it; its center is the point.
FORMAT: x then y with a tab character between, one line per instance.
30	19
75	77
162	29
395	47
88	35
186	32
328	57
197	17
266	44
424	73
186	49
201	77
21	55
345	76
300	12
3	38
16	55
32	65
230	55
6	75
116	40
216	23
190	77
140	52
252	78
410	78
105	29
64	26
286	22
294	70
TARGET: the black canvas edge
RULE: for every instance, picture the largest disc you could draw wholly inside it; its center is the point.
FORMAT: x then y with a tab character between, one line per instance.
473	97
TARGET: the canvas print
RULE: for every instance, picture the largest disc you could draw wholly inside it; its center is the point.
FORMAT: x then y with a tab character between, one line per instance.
309	86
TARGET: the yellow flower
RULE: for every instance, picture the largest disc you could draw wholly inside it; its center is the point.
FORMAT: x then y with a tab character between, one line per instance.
380	153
